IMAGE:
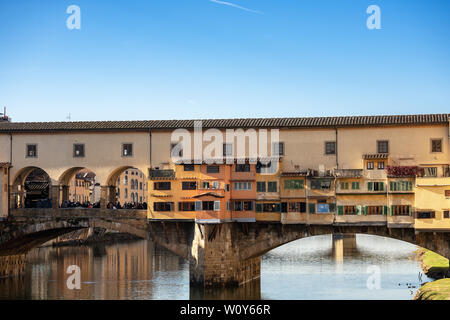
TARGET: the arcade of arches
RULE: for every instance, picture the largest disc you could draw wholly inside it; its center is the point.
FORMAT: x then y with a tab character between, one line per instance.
79	187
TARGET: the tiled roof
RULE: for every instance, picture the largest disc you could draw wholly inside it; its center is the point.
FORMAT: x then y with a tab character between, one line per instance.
306	122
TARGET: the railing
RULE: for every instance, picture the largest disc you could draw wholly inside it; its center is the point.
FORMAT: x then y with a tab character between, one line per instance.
79	213
169	174
348	173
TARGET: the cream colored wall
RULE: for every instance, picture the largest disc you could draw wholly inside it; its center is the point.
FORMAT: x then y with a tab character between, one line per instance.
103	153
4	148
306	148
432	197
405	142
3	195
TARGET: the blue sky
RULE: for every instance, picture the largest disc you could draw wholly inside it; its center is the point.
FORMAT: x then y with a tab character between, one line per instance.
161	59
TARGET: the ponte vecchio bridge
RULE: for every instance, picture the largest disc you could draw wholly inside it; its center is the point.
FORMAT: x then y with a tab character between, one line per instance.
380	175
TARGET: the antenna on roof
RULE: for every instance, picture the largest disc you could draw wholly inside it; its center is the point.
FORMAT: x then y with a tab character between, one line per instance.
3	116
68	117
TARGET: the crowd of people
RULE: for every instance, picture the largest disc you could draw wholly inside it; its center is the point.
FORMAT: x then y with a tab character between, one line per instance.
114	206
127	205
78	204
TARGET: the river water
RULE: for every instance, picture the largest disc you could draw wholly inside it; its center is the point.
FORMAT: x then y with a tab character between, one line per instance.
311	268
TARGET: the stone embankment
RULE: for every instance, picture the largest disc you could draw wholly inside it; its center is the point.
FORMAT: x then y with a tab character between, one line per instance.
436	267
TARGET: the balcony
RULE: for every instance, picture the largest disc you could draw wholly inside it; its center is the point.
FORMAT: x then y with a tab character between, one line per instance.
403	171
348	173
433	181
161	174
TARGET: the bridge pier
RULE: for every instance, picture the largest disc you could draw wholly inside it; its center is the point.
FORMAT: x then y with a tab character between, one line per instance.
343	244
107	194
215	258
55	196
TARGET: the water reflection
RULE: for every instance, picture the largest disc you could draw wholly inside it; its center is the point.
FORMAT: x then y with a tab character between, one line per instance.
248	291
312	268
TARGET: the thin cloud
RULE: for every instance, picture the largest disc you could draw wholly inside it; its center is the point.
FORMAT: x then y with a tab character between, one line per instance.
235	6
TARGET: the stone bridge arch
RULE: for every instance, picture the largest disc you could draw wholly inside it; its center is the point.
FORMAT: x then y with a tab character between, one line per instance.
26	230
229	254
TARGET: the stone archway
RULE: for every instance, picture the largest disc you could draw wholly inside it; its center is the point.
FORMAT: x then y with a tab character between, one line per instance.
127	185
30	185
70	182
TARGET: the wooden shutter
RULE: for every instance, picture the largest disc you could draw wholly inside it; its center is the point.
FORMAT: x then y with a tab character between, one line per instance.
370	186
340	210
312	208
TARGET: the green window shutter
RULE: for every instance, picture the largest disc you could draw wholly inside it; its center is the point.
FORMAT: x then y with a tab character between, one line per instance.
370	186
302	184
391	186
312	208
410	210
287	184
258	207
365	210
409	185
278	207
391	212
340	210
385	210
381	186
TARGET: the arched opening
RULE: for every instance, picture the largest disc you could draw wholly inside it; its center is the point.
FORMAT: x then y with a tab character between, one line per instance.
339	267
129	188
31	189
80	187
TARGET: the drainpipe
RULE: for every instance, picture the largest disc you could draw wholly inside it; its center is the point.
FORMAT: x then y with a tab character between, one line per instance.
9	175
337	157
150	147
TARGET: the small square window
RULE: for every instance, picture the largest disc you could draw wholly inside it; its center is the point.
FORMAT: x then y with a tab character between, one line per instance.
278	148
383	146
127	150
447	194
78	150
370	165
212	169
330	147
436	145
179	149
381	165
227	149
32	150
